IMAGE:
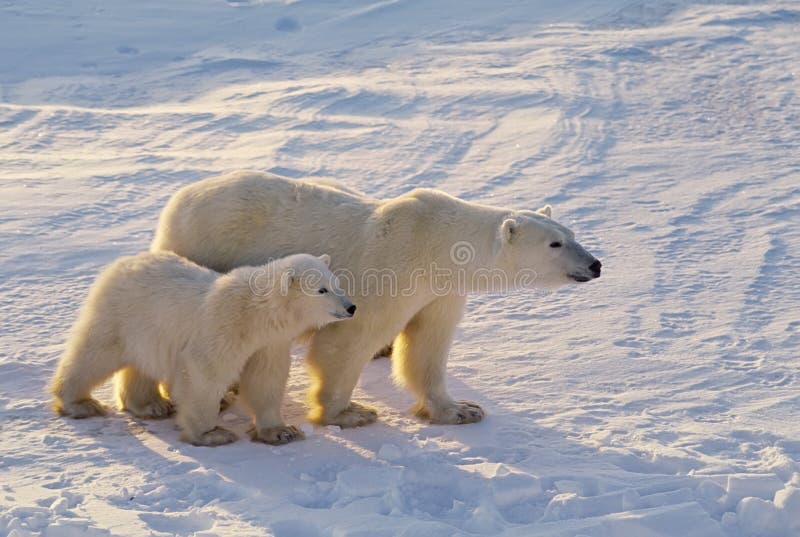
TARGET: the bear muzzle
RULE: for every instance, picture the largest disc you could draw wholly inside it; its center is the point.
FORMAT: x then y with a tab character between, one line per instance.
347	312
595	268
592	272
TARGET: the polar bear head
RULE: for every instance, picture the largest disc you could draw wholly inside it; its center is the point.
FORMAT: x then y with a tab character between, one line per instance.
313	290
541	253
301	290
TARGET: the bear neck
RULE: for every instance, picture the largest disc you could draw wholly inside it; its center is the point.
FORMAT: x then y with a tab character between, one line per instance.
254	319
469	248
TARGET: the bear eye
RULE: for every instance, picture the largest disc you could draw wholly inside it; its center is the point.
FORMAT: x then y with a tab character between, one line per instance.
555	244
323	291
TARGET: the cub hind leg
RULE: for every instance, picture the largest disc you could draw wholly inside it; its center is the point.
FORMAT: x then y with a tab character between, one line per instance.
92	356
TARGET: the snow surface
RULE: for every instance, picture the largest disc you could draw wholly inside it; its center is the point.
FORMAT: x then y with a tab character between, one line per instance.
661	400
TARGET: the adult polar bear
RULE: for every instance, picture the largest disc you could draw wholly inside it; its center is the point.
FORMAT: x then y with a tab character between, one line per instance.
418	239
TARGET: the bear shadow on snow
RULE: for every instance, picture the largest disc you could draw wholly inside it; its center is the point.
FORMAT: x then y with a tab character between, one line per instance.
440	472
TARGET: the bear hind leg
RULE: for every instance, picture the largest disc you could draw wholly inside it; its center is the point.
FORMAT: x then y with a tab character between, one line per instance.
140	395
89	361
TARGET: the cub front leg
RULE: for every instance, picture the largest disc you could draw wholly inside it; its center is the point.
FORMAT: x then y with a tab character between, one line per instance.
197	401
419	359
261	387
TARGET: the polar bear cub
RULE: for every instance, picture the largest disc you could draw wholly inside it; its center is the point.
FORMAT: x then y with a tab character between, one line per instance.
191	328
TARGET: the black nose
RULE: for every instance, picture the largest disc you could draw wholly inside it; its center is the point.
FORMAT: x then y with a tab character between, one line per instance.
595	268
351	310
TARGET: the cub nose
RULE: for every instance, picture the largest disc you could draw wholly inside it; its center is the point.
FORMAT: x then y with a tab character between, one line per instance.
595	268
351	310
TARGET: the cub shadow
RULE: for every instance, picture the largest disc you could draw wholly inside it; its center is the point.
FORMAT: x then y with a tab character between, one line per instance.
444	478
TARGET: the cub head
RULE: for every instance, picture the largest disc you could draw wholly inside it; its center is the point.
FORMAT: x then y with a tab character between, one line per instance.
313	291
542	253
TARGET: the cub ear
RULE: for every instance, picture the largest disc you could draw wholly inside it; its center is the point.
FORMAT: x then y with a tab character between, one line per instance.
545	211
508	229
325	258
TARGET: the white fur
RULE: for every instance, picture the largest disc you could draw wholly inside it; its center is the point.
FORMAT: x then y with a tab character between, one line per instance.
160	316
247	217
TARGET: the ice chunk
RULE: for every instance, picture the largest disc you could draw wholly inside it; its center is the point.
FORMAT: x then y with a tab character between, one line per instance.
710	490
744	486
759	517
59	506
788	502
570	506
509	486
361	482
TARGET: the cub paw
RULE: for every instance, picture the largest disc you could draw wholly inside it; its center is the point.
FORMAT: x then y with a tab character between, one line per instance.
276	436
217	436
85	408
457	413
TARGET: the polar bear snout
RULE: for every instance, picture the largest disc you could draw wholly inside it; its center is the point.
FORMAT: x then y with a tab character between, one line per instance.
595	268
590	273
349	308
346	308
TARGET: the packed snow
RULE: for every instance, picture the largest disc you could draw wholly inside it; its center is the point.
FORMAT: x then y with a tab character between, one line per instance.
661	400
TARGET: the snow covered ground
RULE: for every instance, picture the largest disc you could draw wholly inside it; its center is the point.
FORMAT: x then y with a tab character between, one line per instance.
661	400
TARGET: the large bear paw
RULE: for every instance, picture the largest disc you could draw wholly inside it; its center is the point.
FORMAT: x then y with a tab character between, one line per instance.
276	436
217	436
85	408
157	409
457	413
354	415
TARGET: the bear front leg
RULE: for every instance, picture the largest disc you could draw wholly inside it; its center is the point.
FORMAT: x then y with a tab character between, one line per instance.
336	357
197	400
419	360
261	386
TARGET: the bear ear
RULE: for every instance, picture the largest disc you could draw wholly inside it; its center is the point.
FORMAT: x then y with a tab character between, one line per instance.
508	229
325	258
545	211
